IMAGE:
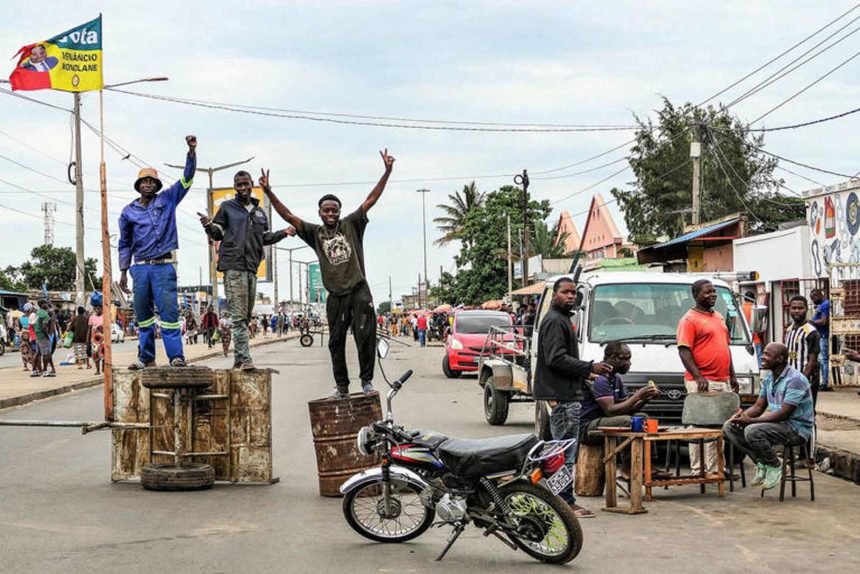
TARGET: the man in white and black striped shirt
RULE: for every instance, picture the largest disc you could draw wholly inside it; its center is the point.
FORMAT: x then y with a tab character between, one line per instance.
804	343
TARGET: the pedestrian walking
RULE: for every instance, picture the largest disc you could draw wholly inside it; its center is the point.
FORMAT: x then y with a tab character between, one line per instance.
147	233
421	325
26	350
191	328
243	229
96	334
560	376
79	328
703	346
821	320
339	245
209	322
44	328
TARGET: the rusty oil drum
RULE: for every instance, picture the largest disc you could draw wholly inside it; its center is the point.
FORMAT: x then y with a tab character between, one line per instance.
335	424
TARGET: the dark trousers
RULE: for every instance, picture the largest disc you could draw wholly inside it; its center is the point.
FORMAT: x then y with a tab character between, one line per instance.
354	309
757	440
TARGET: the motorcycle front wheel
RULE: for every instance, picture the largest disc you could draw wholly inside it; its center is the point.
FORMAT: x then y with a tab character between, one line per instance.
405	519
549	530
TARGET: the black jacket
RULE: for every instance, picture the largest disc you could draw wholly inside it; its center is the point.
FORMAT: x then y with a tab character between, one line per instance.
243	234
559	373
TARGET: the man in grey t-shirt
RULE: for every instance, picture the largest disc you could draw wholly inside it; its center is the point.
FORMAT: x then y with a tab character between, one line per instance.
339	247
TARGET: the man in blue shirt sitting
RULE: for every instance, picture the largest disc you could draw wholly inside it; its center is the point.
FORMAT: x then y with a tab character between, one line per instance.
783	414
147	233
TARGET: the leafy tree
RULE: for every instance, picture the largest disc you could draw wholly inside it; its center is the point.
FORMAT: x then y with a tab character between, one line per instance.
482	261
547	242
384	307
451	224
54	266
736	176
9	280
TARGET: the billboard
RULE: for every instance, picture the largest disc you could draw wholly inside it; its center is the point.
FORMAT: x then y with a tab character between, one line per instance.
316	291
219	196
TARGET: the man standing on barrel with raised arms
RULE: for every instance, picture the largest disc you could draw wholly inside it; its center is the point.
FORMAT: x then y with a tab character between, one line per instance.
339	246
147	232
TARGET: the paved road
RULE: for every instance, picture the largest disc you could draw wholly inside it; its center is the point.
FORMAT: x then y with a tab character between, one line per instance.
60	513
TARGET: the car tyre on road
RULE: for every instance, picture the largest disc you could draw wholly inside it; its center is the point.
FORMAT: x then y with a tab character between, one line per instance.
542	430
496	403
166	477
446	368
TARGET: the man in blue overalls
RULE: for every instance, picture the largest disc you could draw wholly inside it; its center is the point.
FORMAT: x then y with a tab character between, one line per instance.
147	232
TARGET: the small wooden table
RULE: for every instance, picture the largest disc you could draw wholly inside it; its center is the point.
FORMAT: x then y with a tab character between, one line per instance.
640	456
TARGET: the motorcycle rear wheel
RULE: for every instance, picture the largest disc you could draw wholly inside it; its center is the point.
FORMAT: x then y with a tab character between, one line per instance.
562	538
362	510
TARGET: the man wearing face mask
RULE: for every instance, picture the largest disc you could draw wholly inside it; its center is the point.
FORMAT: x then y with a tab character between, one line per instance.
243	229
339	246
147	233
560	375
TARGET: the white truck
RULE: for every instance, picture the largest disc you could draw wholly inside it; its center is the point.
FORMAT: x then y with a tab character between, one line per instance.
639	308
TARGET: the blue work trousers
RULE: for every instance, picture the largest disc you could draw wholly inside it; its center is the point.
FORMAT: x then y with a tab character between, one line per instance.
155	287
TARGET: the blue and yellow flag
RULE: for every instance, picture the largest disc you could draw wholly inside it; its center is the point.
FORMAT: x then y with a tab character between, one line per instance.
71	61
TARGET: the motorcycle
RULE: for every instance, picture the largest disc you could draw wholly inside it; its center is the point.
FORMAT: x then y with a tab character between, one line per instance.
498	484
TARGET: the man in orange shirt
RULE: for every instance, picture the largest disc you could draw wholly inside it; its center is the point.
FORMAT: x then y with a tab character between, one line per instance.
703	345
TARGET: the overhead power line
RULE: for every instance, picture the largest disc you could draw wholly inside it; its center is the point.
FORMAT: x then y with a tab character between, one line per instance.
808	86
806	124
776	76
380	124
780	55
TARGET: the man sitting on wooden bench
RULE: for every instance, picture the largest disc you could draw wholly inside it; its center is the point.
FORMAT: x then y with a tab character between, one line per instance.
607	403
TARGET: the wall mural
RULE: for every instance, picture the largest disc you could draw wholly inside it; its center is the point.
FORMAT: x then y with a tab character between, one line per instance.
834	222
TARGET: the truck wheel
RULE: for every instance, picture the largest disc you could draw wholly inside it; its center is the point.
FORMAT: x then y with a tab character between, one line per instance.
495	403
173	478
542	421
446	368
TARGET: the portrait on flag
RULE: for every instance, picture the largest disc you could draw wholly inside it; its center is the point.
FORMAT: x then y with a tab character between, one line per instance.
70	61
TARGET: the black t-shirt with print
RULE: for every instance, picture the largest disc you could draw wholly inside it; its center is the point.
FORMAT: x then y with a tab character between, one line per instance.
339	250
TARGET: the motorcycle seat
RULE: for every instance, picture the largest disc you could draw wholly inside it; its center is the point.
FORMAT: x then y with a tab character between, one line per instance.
470	458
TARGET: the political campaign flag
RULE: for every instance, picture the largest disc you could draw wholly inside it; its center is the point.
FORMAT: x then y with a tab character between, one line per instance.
71	61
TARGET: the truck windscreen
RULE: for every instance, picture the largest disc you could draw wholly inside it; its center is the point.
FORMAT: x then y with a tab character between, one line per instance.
651	311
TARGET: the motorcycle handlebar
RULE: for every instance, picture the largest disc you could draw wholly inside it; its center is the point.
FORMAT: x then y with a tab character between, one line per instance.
403	378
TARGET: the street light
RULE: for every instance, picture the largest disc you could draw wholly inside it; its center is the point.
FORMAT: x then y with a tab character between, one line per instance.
290	250
141	80
423	193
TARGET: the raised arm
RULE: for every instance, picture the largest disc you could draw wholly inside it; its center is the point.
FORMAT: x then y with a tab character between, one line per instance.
279	207
377	191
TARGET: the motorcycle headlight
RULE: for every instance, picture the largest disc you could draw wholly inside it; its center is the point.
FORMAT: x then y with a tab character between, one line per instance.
364	440
456	344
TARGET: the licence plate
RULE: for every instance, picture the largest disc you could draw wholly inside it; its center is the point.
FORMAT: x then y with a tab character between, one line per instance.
560	480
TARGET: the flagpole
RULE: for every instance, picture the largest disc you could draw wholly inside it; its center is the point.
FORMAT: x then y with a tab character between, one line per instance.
107	297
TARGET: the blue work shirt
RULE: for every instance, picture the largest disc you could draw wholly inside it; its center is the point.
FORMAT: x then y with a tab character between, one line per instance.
822	310
150	232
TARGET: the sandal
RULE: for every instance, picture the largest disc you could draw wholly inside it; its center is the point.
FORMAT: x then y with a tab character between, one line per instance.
581	512
136	366
177	362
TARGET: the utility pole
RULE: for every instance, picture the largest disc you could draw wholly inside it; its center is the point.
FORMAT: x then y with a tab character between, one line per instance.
290	250
523	180
275	274
390	298
210	203
79	206
510	271
423	193
696	154
419	291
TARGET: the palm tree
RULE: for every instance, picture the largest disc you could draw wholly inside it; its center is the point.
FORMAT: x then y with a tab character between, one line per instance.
451	224
547	243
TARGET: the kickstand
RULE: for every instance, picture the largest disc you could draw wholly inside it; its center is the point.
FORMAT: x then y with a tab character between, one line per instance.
458	530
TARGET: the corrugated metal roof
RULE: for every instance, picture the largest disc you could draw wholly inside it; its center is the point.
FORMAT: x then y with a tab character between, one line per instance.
695	234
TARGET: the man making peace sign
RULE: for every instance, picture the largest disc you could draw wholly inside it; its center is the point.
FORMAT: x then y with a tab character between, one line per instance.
339	246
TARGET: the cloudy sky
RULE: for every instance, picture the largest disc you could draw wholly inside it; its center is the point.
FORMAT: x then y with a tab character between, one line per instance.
511	62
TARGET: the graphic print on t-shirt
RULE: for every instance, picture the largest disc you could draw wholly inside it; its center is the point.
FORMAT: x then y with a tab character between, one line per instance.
337	250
